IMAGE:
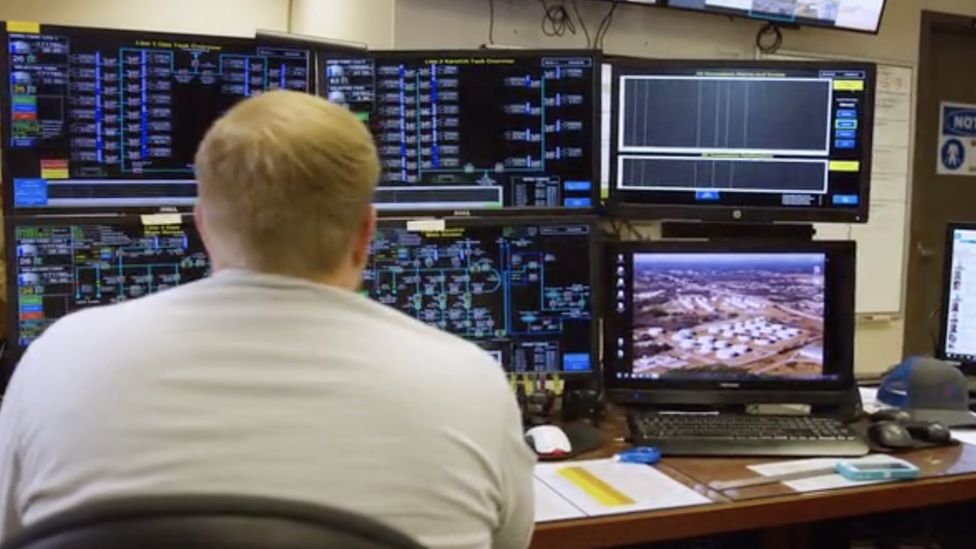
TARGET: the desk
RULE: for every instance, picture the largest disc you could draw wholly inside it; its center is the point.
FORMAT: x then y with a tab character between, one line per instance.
948	477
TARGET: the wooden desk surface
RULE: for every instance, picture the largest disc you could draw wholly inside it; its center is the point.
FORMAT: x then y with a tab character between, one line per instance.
948	476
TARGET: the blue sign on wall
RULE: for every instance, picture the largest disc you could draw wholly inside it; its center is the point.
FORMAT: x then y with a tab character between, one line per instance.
957	140
958	121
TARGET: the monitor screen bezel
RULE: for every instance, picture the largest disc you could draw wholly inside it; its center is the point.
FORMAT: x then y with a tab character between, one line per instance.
838	322
771	20
506	211
595	269
941	351
14	352
623	207
5	175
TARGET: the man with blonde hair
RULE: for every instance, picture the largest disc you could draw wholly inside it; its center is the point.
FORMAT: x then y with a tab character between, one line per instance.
272	377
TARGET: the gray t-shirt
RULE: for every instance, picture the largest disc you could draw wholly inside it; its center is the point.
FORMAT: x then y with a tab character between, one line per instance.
253	384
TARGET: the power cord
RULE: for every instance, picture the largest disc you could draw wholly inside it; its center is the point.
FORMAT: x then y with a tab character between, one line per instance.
762	38
491	22
556	20
582	21
601	31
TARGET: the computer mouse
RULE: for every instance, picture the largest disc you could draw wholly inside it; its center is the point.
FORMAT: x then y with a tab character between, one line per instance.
929	431
549	441
890	414
890	435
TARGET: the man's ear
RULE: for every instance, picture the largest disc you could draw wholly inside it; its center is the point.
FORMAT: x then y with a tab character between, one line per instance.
360	252
201	226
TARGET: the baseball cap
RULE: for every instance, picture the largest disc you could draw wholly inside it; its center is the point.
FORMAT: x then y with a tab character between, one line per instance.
929	390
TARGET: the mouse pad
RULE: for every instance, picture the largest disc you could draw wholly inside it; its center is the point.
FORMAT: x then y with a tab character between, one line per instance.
861	429
583	437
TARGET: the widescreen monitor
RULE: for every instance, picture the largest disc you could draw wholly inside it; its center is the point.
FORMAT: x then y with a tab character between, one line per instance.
957	334
522	290
719	317
483	131
741	140
111	119
850	15
56	266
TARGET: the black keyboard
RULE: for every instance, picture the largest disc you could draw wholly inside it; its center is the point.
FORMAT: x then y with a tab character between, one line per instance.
744	435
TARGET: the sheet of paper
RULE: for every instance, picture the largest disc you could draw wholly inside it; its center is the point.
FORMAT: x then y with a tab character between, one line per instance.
821	482
551	506
796	466
890	160
826	482
792	467
889	187
967	436
891	133
832	231
869	400
604	487
893	79
892	106
881	257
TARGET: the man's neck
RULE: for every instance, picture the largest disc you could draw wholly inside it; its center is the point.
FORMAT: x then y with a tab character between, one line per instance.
342	279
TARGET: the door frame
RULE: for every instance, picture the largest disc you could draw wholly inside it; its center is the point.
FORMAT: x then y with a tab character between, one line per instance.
923	165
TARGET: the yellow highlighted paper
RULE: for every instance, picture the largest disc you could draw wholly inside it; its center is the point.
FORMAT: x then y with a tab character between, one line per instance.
595	487
599	487
845	166
25	27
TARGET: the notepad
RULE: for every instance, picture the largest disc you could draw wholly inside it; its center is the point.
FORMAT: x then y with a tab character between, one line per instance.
605	487
550	506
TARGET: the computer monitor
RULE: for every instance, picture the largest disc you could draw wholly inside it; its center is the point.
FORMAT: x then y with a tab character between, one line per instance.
59	265
111	119
957	333
476	130
742	140
522	290
696	322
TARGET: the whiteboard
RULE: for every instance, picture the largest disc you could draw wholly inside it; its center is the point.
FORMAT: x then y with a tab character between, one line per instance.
882	242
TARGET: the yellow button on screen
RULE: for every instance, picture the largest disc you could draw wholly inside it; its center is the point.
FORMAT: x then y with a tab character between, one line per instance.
26	27
849	85
845	166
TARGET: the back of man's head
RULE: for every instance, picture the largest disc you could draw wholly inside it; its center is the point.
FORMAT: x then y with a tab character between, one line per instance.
285	185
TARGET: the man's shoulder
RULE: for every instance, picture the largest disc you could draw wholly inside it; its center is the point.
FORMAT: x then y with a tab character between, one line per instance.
411	333
436	351
114	319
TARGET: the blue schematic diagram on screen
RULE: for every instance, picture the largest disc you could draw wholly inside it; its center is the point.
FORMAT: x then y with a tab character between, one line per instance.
62	268
521	292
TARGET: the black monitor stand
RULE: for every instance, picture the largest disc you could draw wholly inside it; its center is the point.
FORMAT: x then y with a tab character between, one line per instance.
769	232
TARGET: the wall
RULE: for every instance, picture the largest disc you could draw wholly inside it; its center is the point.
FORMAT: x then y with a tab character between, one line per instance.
225	17
669	33
369	21
645	31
